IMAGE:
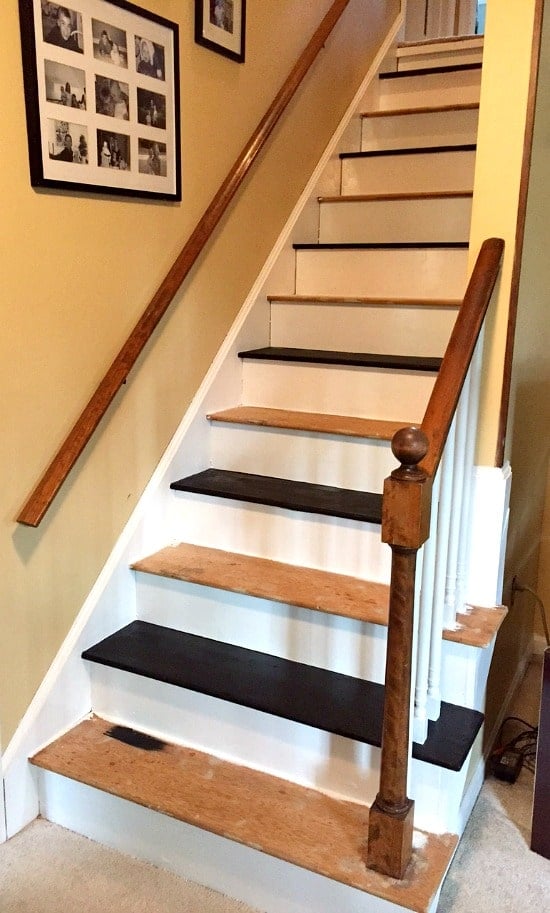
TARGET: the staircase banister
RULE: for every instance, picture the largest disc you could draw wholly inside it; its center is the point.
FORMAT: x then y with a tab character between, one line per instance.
458	355
53	478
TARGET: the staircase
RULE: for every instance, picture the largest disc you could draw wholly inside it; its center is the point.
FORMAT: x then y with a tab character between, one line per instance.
237	719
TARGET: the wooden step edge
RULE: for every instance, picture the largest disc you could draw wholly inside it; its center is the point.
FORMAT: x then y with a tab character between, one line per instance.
389	197
430	43
421	109
358	300
307	828
304	587
307	588
410	150
315	422
477	626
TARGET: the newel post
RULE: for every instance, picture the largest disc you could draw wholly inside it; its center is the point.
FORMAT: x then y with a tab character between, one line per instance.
405	526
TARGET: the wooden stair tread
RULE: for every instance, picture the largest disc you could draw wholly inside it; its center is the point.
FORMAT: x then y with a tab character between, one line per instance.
309	588
386	197
288	494
307	828
321	422
367	300
474	39
422	109
351	359
328	701
413	150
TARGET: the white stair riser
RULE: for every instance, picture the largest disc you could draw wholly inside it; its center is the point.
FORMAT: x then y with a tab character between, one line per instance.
329	543
379	221
277	746
402	131
383	272
325	460
300	635
365	392
418	172
259	740
384	329
428	89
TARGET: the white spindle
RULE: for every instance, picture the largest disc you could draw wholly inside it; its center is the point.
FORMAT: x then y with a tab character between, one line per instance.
465	523
457	494
425	630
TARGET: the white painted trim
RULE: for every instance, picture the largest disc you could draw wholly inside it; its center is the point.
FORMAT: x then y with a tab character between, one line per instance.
64	696
490	505
470	796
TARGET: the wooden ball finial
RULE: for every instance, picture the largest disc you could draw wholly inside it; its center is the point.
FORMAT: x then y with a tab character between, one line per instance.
409	446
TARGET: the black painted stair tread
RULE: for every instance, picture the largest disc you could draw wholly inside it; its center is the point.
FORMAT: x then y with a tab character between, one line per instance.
288	494
416	150
329	701
307	828
428	71
385	245
352	359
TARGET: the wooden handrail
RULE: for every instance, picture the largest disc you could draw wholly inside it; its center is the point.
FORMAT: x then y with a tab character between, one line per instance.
406	511
45	491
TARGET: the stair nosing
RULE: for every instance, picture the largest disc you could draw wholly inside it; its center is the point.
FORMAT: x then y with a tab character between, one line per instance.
345	359
421	109
366	300
412	150
314	422
390	197
430	71
384	245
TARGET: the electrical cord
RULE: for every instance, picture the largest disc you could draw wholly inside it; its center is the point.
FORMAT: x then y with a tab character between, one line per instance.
510	755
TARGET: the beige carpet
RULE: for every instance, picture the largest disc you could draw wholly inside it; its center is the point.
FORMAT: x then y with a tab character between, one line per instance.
47	869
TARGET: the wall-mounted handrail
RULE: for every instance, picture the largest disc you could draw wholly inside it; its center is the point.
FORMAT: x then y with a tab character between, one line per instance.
47	488
405	527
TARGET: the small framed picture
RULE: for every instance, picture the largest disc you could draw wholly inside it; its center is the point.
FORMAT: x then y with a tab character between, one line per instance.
221	26
102	98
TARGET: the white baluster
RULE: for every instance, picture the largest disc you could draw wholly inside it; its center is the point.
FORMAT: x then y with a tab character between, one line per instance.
457	494
465	523
425	631
443	526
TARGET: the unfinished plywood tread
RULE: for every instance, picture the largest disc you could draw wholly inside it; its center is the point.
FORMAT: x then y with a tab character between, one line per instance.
308	588
366	301
477	626
305	827
386	197
474	40
422	109
318	422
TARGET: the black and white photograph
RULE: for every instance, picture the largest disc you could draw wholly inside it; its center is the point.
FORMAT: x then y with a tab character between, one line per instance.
113	150
62	26
110	43
112	98
152	157
67	142
221	26
151	109
116	67
149	57
65	85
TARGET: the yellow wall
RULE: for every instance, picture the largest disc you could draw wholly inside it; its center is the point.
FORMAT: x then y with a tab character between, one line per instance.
507	59
78	270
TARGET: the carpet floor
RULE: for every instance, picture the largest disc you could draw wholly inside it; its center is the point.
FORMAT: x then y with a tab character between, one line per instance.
47	869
